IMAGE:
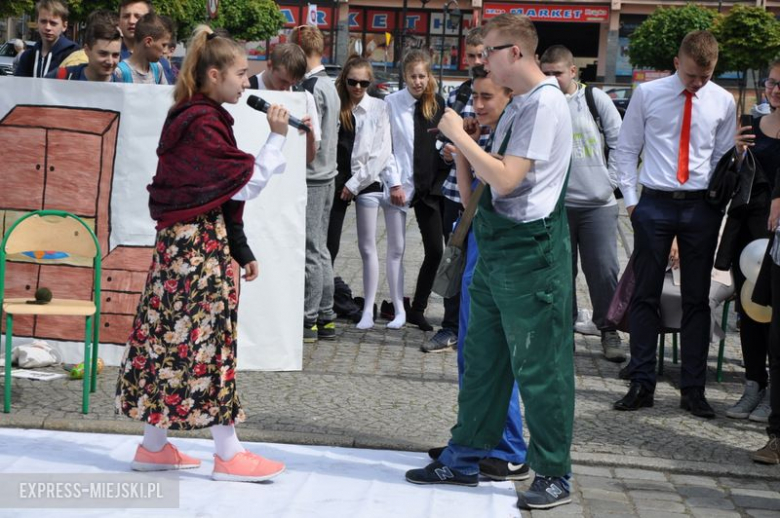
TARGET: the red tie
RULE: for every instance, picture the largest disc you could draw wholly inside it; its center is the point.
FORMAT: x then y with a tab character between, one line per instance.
685	139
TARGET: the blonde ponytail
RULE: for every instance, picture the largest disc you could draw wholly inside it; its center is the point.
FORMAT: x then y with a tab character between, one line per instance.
206	49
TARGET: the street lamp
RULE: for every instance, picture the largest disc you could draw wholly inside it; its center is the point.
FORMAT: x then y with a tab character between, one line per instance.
455	19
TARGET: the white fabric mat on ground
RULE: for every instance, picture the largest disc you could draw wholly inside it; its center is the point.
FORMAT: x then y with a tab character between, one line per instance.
319	481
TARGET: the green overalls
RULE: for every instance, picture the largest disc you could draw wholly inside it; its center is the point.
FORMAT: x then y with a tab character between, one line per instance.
520	327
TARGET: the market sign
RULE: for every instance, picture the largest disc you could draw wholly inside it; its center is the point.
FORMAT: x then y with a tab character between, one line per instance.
293	18
551	12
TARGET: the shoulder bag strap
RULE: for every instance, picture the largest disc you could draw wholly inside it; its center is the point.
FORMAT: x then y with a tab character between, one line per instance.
461	231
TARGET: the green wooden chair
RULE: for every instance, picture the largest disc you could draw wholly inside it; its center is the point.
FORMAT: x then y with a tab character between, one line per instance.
72	239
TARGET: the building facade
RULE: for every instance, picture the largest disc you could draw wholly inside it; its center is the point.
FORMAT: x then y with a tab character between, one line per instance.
597	31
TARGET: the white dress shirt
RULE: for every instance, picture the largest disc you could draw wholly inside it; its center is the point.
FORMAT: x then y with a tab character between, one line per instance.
268	162
400	170
653	122
373	144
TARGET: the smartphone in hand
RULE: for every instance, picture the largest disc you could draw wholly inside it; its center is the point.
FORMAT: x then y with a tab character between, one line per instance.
745	119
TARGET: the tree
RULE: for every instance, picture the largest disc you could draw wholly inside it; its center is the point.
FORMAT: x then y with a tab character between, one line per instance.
244	19
749	38
655	43
250	20
16	7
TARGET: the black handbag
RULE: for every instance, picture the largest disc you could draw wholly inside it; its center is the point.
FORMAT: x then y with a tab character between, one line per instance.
732	181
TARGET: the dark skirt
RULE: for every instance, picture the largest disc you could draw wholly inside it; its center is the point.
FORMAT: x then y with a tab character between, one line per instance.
178	371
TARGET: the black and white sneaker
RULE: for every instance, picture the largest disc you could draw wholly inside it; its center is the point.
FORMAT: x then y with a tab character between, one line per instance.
438	473
544	493
498	469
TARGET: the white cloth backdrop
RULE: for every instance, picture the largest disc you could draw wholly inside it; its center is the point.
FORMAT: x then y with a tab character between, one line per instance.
271	308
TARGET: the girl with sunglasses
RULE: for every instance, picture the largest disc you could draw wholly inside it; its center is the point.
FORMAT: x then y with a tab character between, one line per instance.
364	148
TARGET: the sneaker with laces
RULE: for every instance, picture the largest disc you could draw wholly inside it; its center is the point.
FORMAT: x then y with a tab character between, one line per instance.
326	330
499	469
245	467
544	493
310	333
769	454
750	399
761	413
613	347
167	458
438	473
442	341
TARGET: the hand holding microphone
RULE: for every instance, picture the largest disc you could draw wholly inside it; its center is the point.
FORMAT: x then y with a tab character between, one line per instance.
262	105
278	119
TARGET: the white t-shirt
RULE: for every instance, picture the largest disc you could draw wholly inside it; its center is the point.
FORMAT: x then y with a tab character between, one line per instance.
541	132
311	107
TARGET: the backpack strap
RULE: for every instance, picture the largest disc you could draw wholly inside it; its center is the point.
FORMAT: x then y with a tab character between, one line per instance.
254	84
157	71
308	84
127	74
594	112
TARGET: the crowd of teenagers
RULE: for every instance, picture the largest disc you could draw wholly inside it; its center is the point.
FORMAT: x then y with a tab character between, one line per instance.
540	156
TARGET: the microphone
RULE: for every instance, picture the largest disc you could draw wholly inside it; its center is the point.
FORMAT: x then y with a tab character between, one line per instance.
461	100
262	105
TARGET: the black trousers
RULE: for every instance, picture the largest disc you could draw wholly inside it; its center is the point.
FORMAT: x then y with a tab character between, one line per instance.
656	222
774	354
754	336
451	211
427	210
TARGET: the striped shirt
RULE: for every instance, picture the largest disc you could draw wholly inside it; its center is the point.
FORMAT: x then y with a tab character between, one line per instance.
450	187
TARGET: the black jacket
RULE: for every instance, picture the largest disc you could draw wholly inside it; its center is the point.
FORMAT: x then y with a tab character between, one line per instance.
62	48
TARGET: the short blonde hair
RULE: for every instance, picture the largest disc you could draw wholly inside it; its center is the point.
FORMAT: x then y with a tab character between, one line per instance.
519	28
701	46
310	39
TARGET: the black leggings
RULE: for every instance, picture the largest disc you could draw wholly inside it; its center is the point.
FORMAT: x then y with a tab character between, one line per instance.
428	212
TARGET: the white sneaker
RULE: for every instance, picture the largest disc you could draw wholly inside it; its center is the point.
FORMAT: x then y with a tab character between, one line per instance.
584	324
750	399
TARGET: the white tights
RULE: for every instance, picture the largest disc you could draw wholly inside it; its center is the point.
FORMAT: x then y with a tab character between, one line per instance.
395	224
226	441
367	211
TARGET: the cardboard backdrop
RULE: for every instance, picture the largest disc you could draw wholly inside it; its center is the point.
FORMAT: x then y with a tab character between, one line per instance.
90	149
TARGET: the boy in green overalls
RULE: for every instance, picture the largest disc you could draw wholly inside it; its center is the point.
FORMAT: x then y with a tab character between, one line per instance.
521	292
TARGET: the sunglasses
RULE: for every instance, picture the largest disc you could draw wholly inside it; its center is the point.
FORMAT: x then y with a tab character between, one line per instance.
354	83
770	84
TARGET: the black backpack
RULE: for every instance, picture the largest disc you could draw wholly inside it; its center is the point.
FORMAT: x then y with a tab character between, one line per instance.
594	112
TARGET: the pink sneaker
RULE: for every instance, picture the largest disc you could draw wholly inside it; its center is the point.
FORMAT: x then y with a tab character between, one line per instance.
167	458
245	467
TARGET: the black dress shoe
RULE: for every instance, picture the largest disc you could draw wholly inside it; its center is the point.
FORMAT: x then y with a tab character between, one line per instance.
637	397
693	400
417	318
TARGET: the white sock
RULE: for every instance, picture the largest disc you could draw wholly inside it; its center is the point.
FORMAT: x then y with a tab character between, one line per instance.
226	441
366	227
155	438
395	224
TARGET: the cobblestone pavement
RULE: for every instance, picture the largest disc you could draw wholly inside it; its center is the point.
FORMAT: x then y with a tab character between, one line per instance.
375	389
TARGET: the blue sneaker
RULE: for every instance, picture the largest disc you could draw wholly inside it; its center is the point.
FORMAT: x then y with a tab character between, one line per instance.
438	473
544	493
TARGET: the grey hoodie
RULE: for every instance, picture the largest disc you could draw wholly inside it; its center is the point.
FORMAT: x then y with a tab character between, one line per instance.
592	182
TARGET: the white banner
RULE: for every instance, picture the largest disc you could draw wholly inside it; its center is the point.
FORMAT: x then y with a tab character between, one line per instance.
270	308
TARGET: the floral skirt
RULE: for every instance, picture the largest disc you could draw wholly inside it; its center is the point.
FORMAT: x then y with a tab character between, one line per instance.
178	371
